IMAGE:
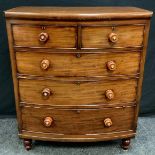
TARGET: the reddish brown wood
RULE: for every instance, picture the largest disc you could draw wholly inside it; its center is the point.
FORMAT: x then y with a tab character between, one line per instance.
78	13
113	37
77	72
54	36
77	121
43	37
27	144
111	65
78	92
73	64
48	121
125	143
109	94
108	122
45	64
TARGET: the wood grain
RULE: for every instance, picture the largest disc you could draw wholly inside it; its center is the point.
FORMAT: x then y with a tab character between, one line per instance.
78	13
59	37
61	76
98	37
127	63
74	93
14	72
77	138
77	121
142	63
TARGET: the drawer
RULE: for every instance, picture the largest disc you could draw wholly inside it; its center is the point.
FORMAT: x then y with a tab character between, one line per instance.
70	64
44	36
109	37
74	93
77	121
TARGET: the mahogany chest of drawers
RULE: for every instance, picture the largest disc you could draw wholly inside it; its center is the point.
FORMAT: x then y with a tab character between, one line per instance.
77	71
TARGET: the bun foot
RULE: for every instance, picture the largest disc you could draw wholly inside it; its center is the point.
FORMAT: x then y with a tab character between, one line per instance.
125	143
27	144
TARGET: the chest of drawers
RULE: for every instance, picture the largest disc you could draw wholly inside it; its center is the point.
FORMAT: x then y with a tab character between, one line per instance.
77	72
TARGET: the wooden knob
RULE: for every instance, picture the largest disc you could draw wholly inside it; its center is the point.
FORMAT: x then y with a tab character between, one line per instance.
109	94
45	64
111	65
43	37
113	37
108	122
48	121
46	93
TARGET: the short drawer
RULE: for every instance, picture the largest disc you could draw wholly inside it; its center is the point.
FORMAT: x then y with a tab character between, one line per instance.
65	92
44	36
77	121
112	37
71	64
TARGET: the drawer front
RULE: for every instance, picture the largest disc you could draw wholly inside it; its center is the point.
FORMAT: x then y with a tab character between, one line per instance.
77	121
107	37
48	92
49	36
126	63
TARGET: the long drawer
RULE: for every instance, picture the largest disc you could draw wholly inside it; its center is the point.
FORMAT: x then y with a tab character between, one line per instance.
49	92
77	121
69	64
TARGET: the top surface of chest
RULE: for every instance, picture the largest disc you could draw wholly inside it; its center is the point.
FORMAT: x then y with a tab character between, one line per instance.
78	13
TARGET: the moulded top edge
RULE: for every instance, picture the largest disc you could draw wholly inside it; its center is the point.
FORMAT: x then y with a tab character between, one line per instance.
78	13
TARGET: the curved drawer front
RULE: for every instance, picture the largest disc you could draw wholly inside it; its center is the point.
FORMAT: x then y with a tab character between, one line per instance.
77	121
72	64
44	36
48	92
110	37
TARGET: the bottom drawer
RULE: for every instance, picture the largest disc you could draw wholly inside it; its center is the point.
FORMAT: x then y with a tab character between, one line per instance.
77	122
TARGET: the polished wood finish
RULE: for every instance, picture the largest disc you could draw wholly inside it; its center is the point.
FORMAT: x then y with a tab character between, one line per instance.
103	36
125	143
27	144
46	92
48	121
108	122
78	13
78	121
126	63
78	92
45	64
77	71
43	37
111	65
113	37
109	94
54	36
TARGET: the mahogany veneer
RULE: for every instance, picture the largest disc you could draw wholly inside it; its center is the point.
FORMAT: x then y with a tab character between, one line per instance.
77	71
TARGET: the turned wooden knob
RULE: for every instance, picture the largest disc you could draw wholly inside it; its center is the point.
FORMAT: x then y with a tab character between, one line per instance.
46	93
48	121
109	94
111	65
43	37
113	37
45	64
108	122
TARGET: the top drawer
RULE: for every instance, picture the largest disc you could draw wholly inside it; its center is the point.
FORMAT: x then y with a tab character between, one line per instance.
112	37
44	36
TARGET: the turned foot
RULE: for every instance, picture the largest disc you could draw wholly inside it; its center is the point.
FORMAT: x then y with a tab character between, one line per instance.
27	144
125	143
